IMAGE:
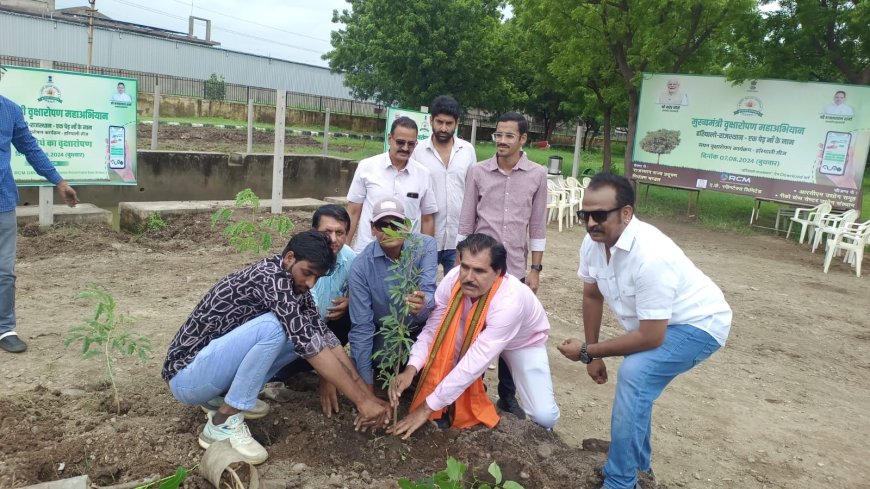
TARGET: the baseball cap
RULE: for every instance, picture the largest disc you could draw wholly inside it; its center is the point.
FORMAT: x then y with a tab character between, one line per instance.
389	206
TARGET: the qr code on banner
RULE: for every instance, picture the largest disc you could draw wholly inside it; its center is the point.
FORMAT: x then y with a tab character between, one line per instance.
701	183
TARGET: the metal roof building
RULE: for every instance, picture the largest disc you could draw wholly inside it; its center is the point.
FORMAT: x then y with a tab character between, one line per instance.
140	48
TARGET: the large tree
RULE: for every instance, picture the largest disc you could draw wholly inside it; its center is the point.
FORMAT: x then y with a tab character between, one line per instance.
406	52
540	93
636	36
807	40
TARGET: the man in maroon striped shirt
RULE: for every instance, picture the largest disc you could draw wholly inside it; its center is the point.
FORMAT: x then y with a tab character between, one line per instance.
506	198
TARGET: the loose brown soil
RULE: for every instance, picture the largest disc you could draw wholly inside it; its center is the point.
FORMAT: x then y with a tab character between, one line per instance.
783	405
185	138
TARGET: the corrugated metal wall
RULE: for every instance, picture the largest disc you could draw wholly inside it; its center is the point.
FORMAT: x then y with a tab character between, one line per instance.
42	38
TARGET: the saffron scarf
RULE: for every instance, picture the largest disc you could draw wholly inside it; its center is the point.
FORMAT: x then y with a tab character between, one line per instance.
473	405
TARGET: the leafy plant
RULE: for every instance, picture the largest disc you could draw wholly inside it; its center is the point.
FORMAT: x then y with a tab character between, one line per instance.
215	87
173	481
248	234
155	222
108	330
454	478
404	279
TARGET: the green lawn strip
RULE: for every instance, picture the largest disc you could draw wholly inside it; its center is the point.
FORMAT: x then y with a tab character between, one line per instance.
717	210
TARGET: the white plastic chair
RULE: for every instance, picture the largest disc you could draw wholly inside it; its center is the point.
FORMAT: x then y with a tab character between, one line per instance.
852	239
578	189
585	182
575	195
831	223
557	204
808	218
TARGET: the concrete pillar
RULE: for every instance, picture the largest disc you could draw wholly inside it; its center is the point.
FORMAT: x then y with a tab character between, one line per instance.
250	146
326	134
156	117
473	132
278	160
575	167
46	193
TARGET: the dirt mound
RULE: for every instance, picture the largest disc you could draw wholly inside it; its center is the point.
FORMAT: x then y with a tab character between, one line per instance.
214	134
50	434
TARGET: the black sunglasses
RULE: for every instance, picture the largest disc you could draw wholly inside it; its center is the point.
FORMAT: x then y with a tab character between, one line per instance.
405	144
381	225
597	216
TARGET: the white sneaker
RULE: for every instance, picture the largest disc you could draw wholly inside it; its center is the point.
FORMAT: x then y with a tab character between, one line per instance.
260	409
235	430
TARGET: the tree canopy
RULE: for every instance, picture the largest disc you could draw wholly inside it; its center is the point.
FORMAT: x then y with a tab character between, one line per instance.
556	60
407	52
806	40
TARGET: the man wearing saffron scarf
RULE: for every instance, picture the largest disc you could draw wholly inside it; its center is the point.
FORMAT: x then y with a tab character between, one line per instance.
481	312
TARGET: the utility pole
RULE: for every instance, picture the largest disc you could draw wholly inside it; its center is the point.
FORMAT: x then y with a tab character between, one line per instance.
91	33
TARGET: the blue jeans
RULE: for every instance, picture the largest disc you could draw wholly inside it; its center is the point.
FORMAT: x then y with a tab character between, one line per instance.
641	379
447	259
237	365
8	235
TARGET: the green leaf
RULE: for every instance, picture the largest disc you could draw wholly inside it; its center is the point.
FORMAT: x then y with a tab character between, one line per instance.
406	484
512	485
455	469
495	471
175	481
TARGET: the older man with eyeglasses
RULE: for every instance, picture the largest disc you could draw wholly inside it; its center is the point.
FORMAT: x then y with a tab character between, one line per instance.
371	278
674	317
392	174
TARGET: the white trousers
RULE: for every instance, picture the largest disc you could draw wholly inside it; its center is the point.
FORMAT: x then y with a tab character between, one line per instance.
530	369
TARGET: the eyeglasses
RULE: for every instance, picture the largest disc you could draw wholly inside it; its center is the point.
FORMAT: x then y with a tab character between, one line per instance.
507	136
402	143
381	225
597	216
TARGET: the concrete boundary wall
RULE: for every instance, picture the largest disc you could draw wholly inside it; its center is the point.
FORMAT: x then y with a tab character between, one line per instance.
134	215
183	175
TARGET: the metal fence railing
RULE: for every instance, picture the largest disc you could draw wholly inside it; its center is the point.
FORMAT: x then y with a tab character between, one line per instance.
193	87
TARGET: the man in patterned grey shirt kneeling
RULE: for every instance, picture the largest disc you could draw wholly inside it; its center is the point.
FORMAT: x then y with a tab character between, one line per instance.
249	325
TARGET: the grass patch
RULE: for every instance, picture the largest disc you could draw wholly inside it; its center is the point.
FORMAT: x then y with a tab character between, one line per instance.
717	210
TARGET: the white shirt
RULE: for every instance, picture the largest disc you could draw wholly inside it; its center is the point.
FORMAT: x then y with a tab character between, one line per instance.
121	97
649	277
377	178
841	109
449	185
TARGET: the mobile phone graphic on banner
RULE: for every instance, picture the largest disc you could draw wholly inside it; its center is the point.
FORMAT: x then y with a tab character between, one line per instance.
117	147
835	153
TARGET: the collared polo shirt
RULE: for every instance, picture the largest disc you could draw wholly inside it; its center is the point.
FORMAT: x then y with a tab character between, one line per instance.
377	178
649	277
448	180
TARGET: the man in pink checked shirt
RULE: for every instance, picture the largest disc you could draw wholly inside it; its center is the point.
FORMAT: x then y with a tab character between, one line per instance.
494	314
506	198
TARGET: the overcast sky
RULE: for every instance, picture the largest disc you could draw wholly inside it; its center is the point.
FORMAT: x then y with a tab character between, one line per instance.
292	30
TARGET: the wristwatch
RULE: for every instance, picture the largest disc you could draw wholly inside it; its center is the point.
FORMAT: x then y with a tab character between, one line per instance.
537	268
584	357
